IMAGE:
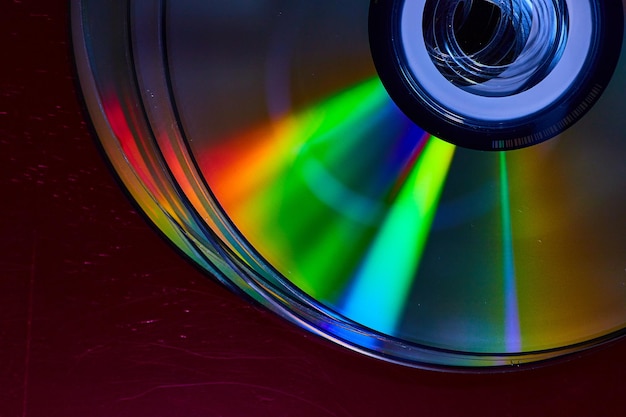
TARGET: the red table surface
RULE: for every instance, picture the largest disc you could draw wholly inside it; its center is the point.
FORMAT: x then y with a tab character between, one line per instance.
101	317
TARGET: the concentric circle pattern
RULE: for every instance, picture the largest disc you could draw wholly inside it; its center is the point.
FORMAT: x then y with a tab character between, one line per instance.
496	74
258	136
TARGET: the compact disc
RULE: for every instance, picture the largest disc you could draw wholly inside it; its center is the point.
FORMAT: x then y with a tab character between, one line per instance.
288	147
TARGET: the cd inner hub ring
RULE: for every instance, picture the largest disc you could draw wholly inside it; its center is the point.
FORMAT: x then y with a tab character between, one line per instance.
495	74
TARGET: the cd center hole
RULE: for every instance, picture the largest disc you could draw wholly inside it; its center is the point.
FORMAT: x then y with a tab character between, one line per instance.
477	25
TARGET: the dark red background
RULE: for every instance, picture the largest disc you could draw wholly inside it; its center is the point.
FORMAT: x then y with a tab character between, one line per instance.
100	317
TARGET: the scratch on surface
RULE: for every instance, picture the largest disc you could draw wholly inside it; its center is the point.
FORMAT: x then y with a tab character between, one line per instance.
227	383
29	325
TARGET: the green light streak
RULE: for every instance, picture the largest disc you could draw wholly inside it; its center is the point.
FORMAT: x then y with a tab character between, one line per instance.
310	215
381	286
343	117
512	324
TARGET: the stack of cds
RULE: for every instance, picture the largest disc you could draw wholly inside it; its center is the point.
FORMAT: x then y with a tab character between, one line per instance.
435	183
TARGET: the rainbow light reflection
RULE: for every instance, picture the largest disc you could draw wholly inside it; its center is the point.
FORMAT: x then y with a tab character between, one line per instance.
341	198
348	178
301	189
373	299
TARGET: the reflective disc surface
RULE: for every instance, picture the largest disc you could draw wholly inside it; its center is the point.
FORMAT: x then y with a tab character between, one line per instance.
258	136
